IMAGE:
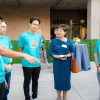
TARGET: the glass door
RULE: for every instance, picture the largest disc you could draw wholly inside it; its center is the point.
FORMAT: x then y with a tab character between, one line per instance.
74	28
83	29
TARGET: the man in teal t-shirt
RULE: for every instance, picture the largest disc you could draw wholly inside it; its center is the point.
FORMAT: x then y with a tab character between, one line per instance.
2	69
5	43
29	43
13	54
97	61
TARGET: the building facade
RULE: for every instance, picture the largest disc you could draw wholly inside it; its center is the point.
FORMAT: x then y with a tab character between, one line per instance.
82	17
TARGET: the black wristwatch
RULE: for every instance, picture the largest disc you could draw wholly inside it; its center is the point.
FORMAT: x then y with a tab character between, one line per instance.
11	63
98	66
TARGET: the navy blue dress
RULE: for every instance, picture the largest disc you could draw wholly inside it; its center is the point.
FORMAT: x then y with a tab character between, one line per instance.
61	69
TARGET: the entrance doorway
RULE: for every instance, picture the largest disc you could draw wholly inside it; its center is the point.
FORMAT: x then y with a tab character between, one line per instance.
75	28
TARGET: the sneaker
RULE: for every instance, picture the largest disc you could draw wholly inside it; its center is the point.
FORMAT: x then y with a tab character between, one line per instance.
35	99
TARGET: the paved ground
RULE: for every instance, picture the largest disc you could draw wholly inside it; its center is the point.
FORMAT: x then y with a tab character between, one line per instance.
84	85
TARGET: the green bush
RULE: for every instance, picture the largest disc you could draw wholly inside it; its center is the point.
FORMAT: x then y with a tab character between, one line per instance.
15	48
91	43
92	47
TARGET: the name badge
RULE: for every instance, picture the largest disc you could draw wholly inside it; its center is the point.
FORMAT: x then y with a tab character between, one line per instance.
64	46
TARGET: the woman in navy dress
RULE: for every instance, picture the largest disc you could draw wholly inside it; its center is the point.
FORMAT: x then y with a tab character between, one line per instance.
61	65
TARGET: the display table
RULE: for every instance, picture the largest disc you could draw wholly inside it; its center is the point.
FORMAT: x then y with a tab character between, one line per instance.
82	57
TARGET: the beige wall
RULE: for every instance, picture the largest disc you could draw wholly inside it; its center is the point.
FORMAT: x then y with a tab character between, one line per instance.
17	19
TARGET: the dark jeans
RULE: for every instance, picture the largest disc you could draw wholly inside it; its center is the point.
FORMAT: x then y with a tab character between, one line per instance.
7	77
98	76
28	73
2	90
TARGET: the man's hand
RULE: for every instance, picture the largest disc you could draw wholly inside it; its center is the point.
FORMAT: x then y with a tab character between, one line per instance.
6	85
98	69
7	67
31	59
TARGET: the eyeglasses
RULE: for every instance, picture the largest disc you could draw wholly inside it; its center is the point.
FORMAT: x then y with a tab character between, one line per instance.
60	31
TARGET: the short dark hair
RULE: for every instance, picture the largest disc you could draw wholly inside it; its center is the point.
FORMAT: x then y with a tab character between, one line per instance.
63	26
34	18
3	21
1	17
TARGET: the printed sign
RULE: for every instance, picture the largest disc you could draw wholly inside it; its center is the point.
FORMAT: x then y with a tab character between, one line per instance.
33	44
4	46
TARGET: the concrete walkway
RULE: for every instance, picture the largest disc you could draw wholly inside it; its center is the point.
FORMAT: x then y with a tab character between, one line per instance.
84	85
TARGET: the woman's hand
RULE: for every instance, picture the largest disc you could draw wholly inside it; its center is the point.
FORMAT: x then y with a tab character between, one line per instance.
55	56
61	58
72	55
98	69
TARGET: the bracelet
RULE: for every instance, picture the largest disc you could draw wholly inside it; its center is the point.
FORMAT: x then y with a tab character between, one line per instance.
11	63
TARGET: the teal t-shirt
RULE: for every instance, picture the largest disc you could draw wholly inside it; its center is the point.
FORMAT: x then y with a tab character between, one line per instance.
97	50
5	43
2	70
30	43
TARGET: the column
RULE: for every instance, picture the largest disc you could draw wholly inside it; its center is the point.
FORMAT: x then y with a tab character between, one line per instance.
93	19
